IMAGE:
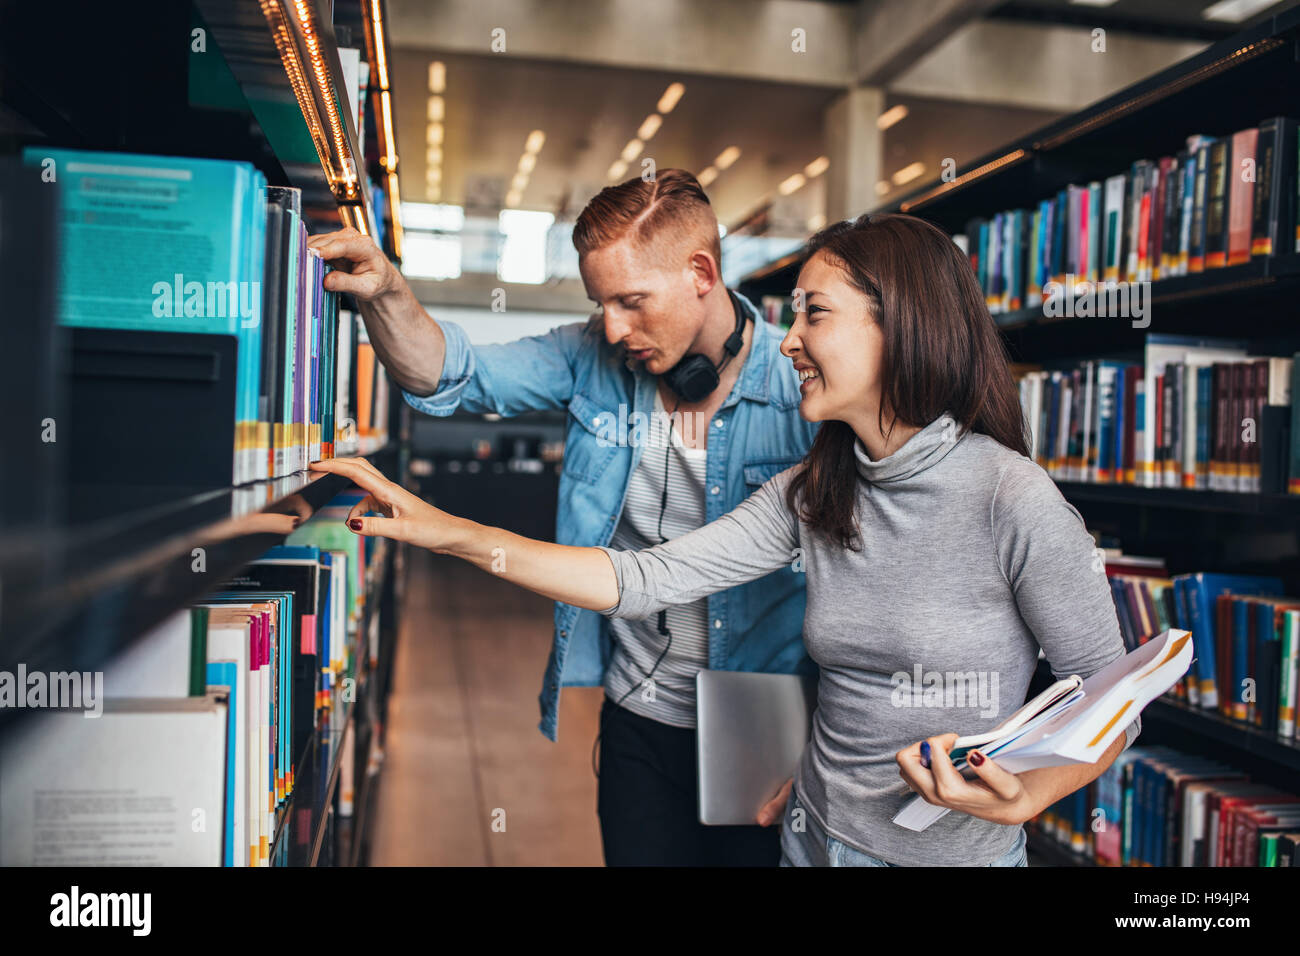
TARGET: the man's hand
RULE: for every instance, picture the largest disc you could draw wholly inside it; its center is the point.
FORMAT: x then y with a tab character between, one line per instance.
361	267
774	809
409	343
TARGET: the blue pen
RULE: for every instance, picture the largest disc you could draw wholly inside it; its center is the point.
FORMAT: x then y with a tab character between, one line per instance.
925	754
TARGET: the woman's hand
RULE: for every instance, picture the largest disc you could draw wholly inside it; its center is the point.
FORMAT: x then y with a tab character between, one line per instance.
406	517
994	795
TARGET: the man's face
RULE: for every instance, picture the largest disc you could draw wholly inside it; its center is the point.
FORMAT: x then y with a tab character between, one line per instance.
652	304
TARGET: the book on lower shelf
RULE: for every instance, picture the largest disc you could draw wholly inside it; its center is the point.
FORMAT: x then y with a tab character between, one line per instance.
1158	806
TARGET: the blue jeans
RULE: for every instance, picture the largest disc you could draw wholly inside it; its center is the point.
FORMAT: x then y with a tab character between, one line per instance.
814	847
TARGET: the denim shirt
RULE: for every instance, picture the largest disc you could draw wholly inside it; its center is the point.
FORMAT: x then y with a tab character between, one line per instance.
755	434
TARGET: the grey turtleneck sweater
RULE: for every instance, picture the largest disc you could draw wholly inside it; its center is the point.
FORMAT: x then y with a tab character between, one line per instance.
971	561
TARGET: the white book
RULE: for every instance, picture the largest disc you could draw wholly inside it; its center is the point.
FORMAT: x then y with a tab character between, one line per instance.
1081	726
1062	469
144	784
1089	374
1189	428
156	665
1113	228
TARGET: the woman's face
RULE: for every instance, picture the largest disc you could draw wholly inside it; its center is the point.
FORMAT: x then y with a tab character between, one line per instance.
836	346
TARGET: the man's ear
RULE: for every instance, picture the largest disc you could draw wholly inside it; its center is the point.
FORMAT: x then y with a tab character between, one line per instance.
705	272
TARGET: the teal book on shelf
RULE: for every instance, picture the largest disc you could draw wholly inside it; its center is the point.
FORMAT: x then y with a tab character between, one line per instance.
168	244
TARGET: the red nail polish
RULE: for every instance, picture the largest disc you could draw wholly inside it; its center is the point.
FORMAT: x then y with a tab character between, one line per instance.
355	524
976	758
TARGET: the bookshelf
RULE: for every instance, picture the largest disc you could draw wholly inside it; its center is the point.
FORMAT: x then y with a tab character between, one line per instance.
1235	83
112	554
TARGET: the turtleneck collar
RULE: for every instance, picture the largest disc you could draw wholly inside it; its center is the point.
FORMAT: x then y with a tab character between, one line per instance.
923	450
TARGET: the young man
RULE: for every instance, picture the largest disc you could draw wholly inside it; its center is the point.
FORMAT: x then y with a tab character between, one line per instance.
680	406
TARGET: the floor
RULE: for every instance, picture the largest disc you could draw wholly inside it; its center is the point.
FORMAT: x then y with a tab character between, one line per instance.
468	779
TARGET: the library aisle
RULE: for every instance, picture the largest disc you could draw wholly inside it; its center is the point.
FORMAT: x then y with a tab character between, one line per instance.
462	741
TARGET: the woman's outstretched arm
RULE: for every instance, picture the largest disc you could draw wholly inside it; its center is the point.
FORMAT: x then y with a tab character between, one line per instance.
757	537
583	577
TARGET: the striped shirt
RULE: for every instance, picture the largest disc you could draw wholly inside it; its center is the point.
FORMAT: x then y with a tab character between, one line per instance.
668	695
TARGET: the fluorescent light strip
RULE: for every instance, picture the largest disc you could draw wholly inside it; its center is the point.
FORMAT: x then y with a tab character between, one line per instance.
670	97
891	116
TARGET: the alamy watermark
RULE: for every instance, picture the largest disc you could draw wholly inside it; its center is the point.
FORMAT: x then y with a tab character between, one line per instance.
923	688
1084	299
181	299
62	690
635	428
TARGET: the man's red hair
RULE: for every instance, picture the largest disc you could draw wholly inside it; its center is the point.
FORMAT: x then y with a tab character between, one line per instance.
673	202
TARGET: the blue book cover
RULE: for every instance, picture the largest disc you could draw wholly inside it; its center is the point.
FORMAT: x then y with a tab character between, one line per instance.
223	674
1240	670
1117	436
1204	386
1203	590
165	243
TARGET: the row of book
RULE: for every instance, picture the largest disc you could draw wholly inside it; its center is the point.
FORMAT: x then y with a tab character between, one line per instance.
1247	637
1156	806
1217	202
176	244
1195	413
195	755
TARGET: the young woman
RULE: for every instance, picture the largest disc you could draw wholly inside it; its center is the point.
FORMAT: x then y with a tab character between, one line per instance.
940	559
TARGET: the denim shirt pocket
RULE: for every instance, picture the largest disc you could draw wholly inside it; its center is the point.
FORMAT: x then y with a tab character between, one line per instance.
759	470
591	439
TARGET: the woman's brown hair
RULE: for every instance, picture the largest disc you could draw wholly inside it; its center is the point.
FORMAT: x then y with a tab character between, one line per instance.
942	353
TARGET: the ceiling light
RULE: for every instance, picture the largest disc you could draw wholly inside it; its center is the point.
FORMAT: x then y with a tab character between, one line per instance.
632	150
519	183
908	173
1093	3
883	187
1235	11
816	167
433	134
513	199
727	157
707	176
433	155
791	184
816	222
527	162
670	97
437	76
435	109
891	116
650	126
535	140
617	170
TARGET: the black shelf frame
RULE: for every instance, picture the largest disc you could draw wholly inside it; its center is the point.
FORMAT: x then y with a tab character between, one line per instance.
1051	850
1186	499
1241	737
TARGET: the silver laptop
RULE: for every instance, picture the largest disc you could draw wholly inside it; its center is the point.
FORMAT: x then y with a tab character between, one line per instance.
752	729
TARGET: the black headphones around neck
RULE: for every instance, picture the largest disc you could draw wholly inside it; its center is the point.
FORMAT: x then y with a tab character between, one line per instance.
694	378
